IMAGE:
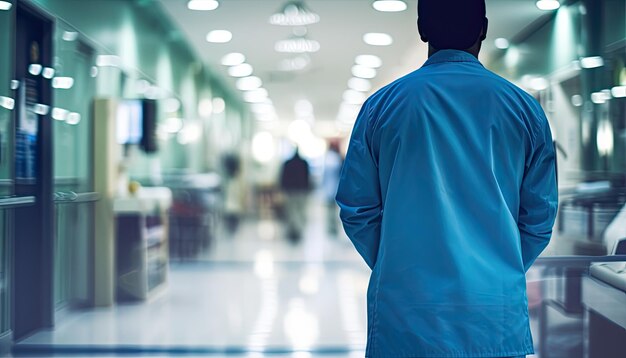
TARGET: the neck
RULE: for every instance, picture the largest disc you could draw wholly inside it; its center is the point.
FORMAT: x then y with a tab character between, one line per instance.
474	50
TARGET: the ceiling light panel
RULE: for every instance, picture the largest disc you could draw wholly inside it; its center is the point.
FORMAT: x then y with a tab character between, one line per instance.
368	61
203	5
295	63
256	96
297	45
233	59
389	5
219	36
363	72
294	13
354	97
359	84
243	70
248	83
378	39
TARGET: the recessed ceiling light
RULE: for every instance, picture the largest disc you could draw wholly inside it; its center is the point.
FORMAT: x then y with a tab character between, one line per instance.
243	70
294	13
353	97
363	72
591	62
368	61
377	39
248	83
256	96
502	43
5	5
359	84
389	5
297	44
219	36
203	5
262	108
233	59
295	63
548	5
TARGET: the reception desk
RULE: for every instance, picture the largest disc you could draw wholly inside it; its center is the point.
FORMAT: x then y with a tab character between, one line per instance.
142	253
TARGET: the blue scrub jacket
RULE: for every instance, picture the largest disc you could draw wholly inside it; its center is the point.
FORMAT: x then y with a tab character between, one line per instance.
449	193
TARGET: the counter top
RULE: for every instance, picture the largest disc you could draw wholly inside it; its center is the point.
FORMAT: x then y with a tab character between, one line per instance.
146	200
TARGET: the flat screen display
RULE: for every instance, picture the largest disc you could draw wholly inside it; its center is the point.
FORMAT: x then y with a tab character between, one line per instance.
129	122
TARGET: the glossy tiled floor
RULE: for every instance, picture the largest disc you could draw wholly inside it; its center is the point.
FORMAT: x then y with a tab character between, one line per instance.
251	294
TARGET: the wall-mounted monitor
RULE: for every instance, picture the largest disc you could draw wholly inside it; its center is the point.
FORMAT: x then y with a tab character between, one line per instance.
129	124
136	123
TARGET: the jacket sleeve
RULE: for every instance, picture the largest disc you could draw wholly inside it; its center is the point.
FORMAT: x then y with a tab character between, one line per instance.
358	195
538	197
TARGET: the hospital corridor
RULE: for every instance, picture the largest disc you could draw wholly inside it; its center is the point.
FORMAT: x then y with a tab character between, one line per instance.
313	178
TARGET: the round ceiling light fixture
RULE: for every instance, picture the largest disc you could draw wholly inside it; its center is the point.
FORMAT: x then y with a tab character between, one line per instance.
219	36
378	39
294	13
389	5
548	5
203	5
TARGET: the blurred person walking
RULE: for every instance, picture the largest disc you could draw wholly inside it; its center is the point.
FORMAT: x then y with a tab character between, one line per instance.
449	194
233	192
330	181
295	183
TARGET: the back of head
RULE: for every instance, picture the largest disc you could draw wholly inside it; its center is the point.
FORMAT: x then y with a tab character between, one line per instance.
451	24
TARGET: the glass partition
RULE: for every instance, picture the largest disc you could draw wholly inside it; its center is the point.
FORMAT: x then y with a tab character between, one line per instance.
74	90
6	155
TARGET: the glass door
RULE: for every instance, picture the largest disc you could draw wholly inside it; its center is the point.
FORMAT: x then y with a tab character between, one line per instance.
7	104
74	90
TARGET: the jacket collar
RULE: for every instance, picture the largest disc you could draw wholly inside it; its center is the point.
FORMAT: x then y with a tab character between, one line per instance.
442	56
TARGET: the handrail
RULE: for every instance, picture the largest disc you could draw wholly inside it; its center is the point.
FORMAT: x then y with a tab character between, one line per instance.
16	202
70	197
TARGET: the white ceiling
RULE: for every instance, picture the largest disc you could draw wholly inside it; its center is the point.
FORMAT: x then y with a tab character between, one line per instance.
340	31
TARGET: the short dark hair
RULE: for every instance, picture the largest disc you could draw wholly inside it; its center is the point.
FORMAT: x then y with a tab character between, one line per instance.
451	24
